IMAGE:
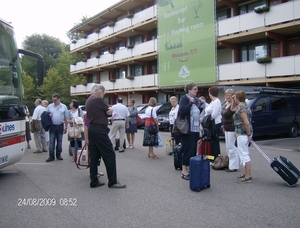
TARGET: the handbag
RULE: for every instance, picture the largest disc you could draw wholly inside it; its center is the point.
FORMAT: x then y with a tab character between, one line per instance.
181	127
221	163
138	120
74	131
152	129
160	142
82	158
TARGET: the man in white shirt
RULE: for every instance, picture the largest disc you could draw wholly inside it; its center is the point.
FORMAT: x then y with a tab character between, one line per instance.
39	132
120	119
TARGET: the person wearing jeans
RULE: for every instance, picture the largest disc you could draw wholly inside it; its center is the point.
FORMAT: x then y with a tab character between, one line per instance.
60	116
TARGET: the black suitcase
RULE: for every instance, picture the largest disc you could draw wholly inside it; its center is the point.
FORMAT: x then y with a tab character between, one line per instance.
283	167
118	144
177	157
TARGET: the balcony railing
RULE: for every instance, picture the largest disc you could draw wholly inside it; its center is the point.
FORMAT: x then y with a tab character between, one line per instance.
125	23
279	13
149	80
139	49
253	70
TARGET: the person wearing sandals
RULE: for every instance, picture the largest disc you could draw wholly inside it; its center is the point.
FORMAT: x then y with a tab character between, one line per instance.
189	108
243	133
228	128
132	129
74	112
150	139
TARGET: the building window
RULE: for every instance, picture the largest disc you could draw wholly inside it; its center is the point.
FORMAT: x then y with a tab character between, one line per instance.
254	51
121	45
104	51
136	70
136	39
153	67
120	73
223	14
247	8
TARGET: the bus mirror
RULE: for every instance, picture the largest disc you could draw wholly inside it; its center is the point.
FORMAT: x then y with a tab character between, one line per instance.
40	72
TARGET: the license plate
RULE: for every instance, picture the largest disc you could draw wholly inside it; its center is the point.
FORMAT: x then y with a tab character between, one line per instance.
4	160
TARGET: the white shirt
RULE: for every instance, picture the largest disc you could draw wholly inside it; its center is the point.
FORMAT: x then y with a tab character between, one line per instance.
148	112
120	111
214	109
38	112
173	114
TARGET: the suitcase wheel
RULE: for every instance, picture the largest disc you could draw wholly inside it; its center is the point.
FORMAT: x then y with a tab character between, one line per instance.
197	189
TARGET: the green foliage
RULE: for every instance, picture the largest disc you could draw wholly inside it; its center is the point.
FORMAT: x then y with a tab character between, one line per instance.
262	9
264	60
29	91
73	35
49	47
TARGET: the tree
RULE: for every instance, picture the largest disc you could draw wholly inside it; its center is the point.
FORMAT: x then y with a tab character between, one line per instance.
49	47
72	34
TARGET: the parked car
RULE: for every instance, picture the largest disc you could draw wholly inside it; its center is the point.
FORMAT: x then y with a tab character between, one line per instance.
162	110
82	107
139	107
273	113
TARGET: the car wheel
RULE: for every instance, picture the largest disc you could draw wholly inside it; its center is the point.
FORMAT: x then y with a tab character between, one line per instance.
293	131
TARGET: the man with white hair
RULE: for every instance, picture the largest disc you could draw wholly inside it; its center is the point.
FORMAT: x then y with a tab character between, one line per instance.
39	132
99	143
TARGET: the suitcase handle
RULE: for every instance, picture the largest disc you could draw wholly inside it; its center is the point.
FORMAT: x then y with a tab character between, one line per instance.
260	151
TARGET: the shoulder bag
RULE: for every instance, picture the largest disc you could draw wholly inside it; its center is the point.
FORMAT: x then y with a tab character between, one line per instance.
221	163
181	127
82	158
152	129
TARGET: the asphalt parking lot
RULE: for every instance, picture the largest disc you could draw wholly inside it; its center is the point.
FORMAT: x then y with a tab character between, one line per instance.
156	195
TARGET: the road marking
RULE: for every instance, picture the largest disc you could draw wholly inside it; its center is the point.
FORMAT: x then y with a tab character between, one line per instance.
23	163
275	148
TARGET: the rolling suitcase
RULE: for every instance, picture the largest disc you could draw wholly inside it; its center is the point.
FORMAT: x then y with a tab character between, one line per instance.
199	173
118	144
204	148
177	157
283	167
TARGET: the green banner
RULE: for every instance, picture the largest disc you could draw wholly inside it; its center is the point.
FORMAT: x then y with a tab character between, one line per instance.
186	42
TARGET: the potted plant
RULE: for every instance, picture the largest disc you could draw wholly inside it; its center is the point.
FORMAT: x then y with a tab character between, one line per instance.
112	51
264	60
112	79
111	23
97	56
130	46
85	84
130	77
84	60
73	41
97	82
74	85
262	9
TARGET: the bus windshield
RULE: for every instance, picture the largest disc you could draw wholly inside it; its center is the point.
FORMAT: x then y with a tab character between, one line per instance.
11	85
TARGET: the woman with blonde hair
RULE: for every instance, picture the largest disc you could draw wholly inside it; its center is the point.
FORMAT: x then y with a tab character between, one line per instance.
228	127
150	139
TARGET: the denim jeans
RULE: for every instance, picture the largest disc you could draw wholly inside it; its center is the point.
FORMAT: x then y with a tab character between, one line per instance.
56	134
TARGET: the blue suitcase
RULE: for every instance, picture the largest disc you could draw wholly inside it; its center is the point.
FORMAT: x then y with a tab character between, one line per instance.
199	173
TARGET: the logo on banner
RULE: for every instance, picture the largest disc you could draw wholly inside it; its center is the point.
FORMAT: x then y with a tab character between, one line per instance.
184	72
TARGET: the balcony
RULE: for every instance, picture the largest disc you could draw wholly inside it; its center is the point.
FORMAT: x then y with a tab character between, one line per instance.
253	70
288	11
139	49
125	23
139	82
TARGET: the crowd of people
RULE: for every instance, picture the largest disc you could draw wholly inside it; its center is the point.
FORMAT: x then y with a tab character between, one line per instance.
234	115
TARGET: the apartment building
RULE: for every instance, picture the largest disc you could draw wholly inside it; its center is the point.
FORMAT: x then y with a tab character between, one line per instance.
255	43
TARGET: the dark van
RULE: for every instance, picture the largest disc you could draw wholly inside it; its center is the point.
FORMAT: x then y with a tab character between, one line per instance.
273	113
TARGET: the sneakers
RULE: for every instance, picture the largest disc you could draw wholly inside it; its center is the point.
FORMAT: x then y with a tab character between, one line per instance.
118	185
246	180
37	151
29	147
